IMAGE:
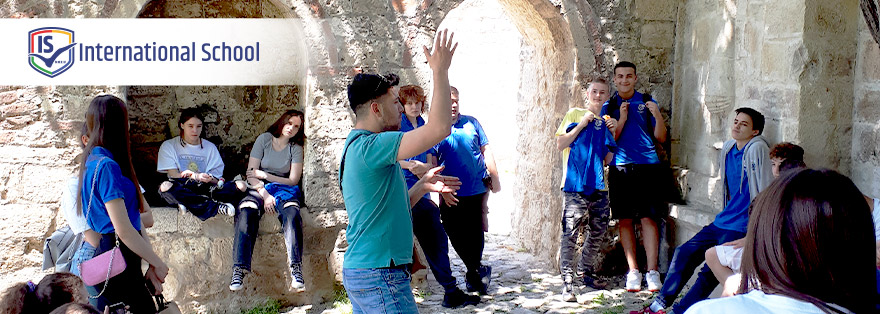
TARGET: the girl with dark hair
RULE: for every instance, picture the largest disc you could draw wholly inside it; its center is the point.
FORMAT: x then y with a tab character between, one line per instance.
51	292
195	171
799	232
112	204
274	171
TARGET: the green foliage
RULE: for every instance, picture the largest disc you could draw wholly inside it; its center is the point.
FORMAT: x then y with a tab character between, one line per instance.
340	299
269	307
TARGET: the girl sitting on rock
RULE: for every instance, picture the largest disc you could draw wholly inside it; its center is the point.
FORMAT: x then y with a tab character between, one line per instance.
195	171
274	171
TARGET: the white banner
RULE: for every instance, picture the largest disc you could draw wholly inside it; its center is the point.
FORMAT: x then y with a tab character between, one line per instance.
152	52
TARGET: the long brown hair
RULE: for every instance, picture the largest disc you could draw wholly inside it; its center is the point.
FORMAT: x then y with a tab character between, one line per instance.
300	137
800	230
107	124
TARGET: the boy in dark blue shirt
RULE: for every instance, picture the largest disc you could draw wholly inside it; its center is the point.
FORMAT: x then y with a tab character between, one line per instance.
745	172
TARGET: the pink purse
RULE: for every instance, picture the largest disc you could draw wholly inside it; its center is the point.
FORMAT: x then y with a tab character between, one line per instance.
101	268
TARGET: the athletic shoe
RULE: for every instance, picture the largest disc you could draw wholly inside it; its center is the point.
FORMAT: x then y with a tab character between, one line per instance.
568	292
226	209
653	279
634	281
296	277
595	282
458	298
237	278
480	286
181	208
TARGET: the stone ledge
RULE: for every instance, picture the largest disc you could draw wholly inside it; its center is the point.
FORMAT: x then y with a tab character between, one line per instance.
199	254
689	219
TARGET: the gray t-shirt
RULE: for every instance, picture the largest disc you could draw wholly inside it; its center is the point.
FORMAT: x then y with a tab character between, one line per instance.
276	162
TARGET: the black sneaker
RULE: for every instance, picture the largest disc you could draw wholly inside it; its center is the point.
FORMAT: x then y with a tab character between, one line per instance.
296	277
237	278
458	298
595	282
480	284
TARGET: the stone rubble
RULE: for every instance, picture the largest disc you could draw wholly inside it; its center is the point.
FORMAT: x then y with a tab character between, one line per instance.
521	284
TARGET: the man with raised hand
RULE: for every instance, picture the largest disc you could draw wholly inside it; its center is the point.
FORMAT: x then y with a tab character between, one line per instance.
587	145
376	266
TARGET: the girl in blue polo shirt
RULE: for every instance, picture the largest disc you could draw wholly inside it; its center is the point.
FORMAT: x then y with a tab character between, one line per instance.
112	205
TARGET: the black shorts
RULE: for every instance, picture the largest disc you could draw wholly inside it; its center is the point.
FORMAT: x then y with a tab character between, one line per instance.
636	191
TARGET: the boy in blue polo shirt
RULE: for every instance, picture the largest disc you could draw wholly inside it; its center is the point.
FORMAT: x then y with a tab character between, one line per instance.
746	171
587	145
636	174
467	155
375	270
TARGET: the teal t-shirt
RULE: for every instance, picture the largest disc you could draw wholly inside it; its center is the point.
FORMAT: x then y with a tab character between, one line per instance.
379	222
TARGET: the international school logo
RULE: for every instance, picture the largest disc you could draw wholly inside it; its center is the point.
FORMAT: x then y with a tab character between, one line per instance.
50	50
597	123
641	107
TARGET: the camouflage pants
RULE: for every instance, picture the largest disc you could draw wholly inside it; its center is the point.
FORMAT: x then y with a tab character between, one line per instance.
593	213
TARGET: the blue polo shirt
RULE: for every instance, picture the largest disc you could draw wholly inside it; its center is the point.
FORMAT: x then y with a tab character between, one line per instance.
379	227
585	172
406	126
735	215
636	141
461	153
110	185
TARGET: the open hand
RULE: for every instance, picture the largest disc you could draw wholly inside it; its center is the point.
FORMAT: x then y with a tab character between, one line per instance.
443	48
435	182
269	204
449	198
254	173
419	168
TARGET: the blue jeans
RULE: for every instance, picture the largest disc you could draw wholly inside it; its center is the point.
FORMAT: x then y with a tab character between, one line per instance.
379	290
85	252
433	240
686	259
247	224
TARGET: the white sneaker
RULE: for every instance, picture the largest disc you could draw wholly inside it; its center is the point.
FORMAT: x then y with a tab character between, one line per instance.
226	209
653	279
633	281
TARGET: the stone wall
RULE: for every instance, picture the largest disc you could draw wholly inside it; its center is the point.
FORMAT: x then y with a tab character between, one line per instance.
798	75
866	115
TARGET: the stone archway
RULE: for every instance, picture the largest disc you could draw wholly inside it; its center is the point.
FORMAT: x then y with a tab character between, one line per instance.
234	117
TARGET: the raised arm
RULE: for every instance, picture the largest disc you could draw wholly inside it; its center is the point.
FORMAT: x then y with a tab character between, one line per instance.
439	122
564	140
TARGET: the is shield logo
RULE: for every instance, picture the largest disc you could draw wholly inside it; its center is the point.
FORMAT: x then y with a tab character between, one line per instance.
50	50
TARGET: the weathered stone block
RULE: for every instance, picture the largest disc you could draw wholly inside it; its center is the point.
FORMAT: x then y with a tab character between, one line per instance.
19	108
8	97
869	61
867	107
664	10
776	61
